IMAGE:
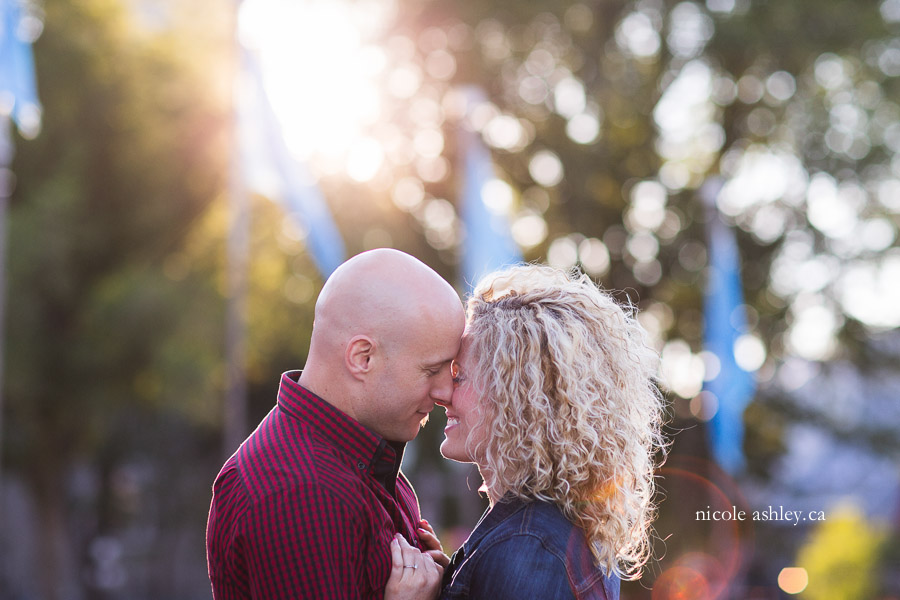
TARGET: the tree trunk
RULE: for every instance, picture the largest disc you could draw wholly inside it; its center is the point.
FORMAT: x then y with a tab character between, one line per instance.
56	556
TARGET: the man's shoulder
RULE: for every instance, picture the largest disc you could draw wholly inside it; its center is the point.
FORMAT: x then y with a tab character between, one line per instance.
282	457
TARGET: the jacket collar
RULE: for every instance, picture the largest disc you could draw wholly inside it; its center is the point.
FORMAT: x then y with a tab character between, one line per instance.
504	508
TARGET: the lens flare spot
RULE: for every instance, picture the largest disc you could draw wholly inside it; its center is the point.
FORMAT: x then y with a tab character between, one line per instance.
681	583
793	580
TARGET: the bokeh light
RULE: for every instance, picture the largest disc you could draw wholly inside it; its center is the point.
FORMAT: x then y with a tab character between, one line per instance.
749	352
546	168
793	580
638	34
682	370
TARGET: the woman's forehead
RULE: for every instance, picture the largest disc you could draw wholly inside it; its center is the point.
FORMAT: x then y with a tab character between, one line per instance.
465	345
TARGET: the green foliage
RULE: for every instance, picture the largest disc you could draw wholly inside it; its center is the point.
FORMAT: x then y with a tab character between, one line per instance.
841	557
126	162
103	341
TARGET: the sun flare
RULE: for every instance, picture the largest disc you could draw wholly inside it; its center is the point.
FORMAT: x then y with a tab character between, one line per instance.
321	71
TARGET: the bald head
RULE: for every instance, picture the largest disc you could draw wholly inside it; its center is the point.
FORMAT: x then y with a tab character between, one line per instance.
378	291
379	310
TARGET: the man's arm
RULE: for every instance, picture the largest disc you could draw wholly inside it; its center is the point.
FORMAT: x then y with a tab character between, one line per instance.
224	546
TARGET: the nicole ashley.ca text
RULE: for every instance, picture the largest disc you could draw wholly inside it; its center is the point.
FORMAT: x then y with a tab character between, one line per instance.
772	513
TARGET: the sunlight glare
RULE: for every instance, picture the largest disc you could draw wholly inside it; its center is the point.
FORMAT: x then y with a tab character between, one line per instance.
365	159
320	71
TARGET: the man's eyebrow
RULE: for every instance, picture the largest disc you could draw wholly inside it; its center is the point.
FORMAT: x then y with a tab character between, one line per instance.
438	363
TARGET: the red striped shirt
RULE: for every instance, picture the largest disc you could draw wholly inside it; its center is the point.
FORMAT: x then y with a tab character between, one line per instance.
307	506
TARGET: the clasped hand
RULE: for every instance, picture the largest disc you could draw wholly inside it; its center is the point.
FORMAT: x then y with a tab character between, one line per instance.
416	575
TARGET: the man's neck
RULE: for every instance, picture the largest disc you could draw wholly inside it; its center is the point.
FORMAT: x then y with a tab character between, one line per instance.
328	392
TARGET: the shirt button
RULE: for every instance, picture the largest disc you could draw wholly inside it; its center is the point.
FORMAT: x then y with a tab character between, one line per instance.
361	465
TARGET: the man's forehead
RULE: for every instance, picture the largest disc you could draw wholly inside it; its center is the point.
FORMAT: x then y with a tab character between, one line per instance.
439	352
463	352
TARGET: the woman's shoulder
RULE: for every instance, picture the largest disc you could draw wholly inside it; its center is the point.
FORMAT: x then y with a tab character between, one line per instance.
514	565
546	521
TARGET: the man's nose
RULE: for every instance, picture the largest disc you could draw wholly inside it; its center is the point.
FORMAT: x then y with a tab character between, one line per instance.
442	391
441	401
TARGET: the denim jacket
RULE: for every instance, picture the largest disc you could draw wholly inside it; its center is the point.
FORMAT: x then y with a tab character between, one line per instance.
526	550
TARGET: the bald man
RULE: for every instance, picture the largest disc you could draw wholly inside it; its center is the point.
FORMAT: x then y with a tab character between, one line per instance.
308	505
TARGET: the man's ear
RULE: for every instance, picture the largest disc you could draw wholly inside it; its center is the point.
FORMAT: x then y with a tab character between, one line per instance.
358	355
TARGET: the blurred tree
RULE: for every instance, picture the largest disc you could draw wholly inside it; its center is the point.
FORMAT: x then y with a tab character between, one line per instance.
841	557
130	156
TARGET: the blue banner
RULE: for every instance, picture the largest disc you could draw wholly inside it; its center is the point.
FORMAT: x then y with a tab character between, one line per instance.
264	150
18	89
725	320
488	244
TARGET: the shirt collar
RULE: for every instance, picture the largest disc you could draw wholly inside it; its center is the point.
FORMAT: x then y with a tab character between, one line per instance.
367	450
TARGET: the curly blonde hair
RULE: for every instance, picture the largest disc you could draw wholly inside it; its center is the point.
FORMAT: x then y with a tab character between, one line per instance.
571	413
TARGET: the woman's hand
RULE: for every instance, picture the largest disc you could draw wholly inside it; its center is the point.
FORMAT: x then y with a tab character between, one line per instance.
432	544
414	575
